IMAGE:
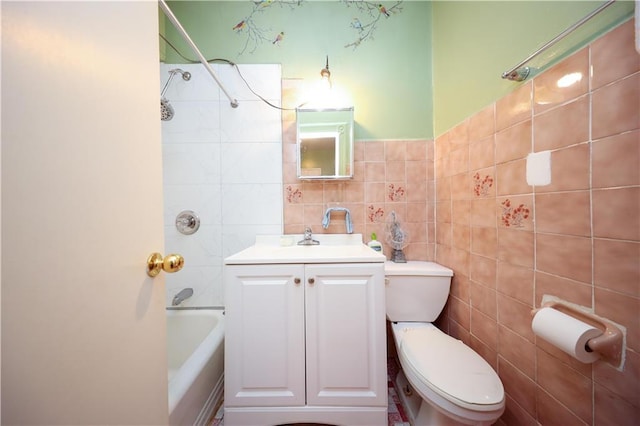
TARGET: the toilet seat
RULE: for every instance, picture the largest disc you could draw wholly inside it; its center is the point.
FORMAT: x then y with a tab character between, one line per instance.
452	368
449	374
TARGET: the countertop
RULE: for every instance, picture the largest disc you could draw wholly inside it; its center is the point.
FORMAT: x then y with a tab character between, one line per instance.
333	248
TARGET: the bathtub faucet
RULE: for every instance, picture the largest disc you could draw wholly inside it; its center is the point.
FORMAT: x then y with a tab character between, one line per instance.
184	294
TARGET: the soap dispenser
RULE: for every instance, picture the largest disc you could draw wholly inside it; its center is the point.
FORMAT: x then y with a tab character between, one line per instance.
374	243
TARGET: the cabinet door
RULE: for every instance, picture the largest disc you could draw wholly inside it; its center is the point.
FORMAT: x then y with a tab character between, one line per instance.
264	336
346	343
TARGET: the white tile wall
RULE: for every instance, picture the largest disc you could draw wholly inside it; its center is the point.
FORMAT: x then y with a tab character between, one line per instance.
223	163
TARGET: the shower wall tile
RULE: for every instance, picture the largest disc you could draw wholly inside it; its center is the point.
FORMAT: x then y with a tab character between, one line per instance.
616	212
515	281
514	142
623	386
252	157
616	266
517	351
515	315
483	271
484	327
616	47
202	279
550	128
615	106
204	200
564	213
516	247
253	121
563	82
564	255
482	124
374	151
514	107
249	204
616	160
610	409
567	289
193	122
264	80
570	170
551	411
566	385
514	414
238	237
191	163
577	238
484	300
518	386
196	156
621	309
511	178
482	153
201	249
484	241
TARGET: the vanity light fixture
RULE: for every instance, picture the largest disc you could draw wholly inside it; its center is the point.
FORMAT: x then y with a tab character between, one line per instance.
325	74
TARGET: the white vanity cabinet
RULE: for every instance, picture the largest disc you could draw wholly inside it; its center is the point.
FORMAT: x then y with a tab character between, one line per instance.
305	342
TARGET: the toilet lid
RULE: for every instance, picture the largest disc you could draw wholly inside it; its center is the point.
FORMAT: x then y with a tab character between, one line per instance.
451	368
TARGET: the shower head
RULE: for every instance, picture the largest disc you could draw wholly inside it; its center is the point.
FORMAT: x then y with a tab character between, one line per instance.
166	110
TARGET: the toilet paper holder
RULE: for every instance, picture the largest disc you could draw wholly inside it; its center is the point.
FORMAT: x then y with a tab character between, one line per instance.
609	344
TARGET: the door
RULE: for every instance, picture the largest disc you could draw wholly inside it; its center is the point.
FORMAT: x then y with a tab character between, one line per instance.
83	326
264	336
346	341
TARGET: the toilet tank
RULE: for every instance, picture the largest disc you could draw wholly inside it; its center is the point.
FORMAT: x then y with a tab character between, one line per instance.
416	290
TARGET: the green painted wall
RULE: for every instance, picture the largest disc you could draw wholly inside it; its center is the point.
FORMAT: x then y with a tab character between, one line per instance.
426	68
388	76
474	42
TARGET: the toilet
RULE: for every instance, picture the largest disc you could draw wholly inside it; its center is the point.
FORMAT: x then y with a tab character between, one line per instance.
443	381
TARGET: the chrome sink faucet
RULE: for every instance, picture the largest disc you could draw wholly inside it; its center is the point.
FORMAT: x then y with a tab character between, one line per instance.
347	218
182	295
308	240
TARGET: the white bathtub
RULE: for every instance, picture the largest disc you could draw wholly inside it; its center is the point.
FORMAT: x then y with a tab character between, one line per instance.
195	348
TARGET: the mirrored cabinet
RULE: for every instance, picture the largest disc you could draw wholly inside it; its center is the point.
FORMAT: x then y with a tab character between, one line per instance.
325	143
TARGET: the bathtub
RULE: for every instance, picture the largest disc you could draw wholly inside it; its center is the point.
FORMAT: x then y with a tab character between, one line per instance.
195	348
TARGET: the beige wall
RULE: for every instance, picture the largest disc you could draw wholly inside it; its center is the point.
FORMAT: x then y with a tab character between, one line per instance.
509	243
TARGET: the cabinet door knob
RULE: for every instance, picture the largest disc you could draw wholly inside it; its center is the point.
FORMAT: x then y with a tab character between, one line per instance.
296	280
311	281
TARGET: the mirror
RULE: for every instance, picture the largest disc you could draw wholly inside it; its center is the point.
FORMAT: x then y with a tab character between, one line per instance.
325	143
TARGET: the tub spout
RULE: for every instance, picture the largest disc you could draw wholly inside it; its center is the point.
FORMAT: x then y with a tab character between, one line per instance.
182	295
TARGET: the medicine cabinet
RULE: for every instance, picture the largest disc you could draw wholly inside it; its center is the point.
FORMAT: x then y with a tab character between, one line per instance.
325	143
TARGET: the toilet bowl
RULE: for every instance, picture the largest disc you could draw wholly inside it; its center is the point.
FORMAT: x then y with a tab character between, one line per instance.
443	381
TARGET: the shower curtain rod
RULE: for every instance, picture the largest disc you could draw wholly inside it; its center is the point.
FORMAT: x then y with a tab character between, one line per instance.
203	60
518	73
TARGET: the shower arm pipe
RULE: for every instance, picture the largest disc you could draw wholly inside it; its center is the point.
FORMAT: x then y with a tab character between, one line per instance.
169	14
519	75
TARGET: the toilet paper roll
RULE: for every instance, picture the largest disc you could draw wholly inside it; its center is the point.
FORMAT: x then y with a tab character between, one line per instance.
565	332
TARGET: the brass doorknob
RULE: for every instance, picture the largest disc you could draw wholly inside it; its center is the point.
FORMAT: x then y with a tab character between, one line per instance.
170	263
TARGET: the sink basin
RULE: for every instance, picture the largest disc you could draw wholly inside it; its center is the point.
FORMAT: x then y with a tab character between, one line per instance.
333	248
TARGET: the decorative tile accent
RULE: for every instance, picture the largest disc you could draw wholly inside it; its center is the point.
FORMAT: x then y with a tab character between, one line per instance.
395	194
375	214
482	185
514	216
294	195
